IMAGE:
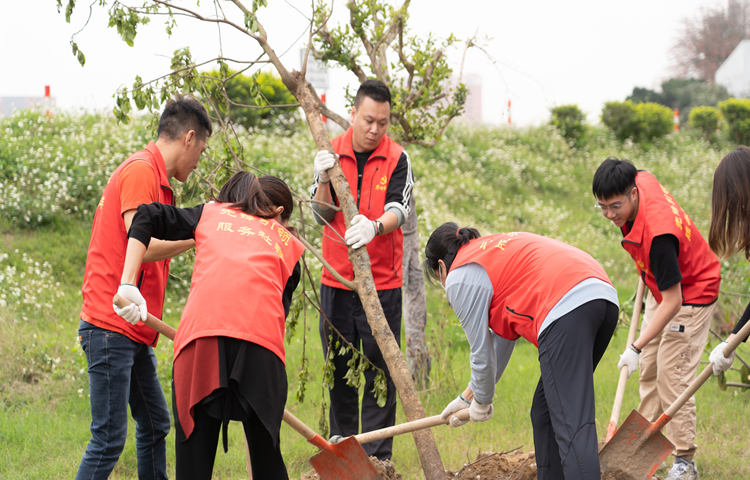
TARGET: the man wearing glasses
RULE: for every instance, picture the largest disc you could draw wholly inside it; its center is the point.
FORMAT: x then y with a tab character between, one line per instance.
683	276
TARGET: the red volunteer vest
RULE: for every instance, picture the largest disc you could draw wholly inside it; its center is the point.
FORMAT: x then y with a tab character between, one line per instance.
659	214
106	257
242	264
386	251
530	274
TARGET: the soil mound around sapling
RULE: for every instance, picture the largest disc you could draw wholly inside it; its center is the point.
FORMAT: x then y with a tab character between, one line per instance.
515	465
386	469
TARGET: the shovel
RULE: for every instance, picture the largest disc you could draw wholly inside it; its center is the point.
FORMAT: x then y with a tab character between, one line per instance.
407	427
345	460
342	461
639	447
634	321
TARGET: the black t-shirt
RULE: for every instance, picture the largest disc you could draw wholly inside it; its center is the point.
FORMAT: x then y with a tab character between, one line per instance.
399	186
663	259
362	158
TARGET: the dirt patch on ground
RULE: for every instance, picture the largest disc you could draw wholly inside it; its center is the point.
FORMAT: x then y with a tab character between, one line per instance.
617	474
515	465
386	469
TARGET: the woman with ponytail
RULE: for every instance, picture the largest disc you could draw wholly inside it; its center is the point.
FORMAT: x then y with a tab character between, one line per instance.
229	358
730	227
511	285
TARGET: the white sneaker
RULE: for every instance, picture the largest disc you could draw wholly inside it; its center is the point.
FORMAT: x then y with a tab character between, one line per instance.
683	470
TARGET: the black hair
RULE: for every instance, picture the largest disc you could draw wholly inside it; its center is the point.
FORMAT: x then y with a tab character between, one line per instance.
614	177
443	245
245	193
374	89
278	194
182	114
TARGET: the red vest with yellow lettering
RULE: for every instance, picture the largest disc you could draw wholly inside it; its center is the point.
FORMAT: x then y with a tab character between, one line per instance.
242	264
106	257
530	274
659	214
386	251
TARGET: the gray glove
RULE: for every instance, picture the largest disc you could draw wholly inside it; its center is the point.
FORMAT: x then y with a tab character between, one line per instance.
479	412
456	405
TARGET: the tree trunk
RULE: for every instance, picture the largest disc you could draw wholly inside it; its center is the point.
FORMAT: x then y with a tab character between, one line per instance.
428	452
415	306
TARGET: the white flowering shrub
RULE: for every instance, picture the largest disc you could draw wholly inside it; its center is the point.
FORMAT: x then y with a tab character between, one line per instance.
59	165
27	286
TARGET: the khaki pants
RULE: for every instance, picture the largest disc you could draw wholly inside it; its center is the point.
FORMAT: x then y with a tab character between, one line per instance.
668	364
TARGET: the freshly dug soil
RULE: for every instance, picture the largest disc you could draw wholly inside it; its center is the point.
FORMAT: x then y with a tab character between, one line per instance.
500	466
386	469
617	474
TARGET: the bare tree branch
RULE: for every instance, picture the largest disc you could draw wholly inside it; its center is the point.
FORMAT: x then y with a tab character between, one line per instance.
348	284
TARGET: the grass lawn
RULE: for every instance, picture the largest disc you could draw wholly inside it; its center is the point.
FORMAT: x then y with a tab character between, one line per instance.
44	416
494	179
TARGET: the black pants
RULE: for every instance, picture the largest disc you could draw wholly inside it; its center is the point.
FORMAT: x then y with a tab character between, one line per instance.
563	413
195	456
344	309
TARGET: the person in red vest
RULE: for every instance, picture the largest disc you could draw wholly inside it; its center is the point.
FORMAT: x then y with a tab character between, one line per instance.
729	232
379	173
121	361
229	358
683	276
520	285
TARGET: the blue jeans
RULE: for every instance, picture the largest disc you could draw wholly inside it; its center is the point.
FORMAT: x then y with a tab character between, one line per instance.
122	372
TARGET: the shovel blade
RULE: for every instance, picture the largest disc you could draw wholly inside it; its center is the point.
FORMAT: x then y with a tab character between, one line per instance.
345	460
633	451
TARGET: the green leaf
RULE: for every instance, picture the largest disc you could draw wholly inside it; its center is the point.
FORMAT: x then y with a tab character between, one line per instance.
380	388
69	9
251	22
81	58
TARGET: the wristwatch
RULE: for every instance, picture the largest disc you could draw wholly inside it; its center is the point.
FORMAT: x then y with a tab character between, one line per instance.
379	228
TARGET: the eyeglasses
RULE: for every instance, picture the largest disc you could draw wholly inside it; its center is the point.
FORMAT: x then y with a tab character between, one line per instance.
615	208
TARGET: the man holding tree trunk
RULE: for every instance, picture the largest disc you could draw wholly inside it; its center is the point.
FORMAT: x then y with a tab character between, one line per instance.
380	170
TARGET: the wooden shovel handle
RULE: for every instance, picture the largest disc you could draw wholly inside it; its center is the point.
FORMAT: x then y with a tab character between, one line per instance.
620	393
706	373
151	320
297	424
409	427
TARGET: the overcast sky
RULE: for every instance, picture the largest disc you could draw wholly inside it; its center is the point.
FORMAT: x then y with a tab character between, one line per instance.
552	52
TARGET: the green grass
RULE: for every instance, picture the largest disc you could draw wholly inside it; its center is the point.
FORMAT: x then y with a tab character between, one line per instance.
494	179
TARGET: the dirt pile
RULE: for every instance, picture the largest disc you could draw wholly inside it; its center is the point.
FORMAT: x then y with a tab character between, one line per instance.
515	465
386	469
617	474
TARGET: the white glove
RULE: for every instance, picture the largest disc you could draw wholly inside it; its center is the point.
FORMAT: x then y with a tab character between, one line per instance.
130	313
479	412
629	359
456	405
137	309
361	232
324	160
719	361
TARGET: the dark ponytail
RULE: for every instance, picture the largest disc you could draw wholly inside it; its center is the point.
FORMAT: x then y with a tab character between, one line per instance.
443	245
278	194
244	192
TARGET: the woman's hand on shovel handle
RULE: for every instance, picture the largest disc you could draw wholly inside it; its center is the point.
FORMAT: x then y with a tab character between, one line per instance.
460	403
136	310
718	360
